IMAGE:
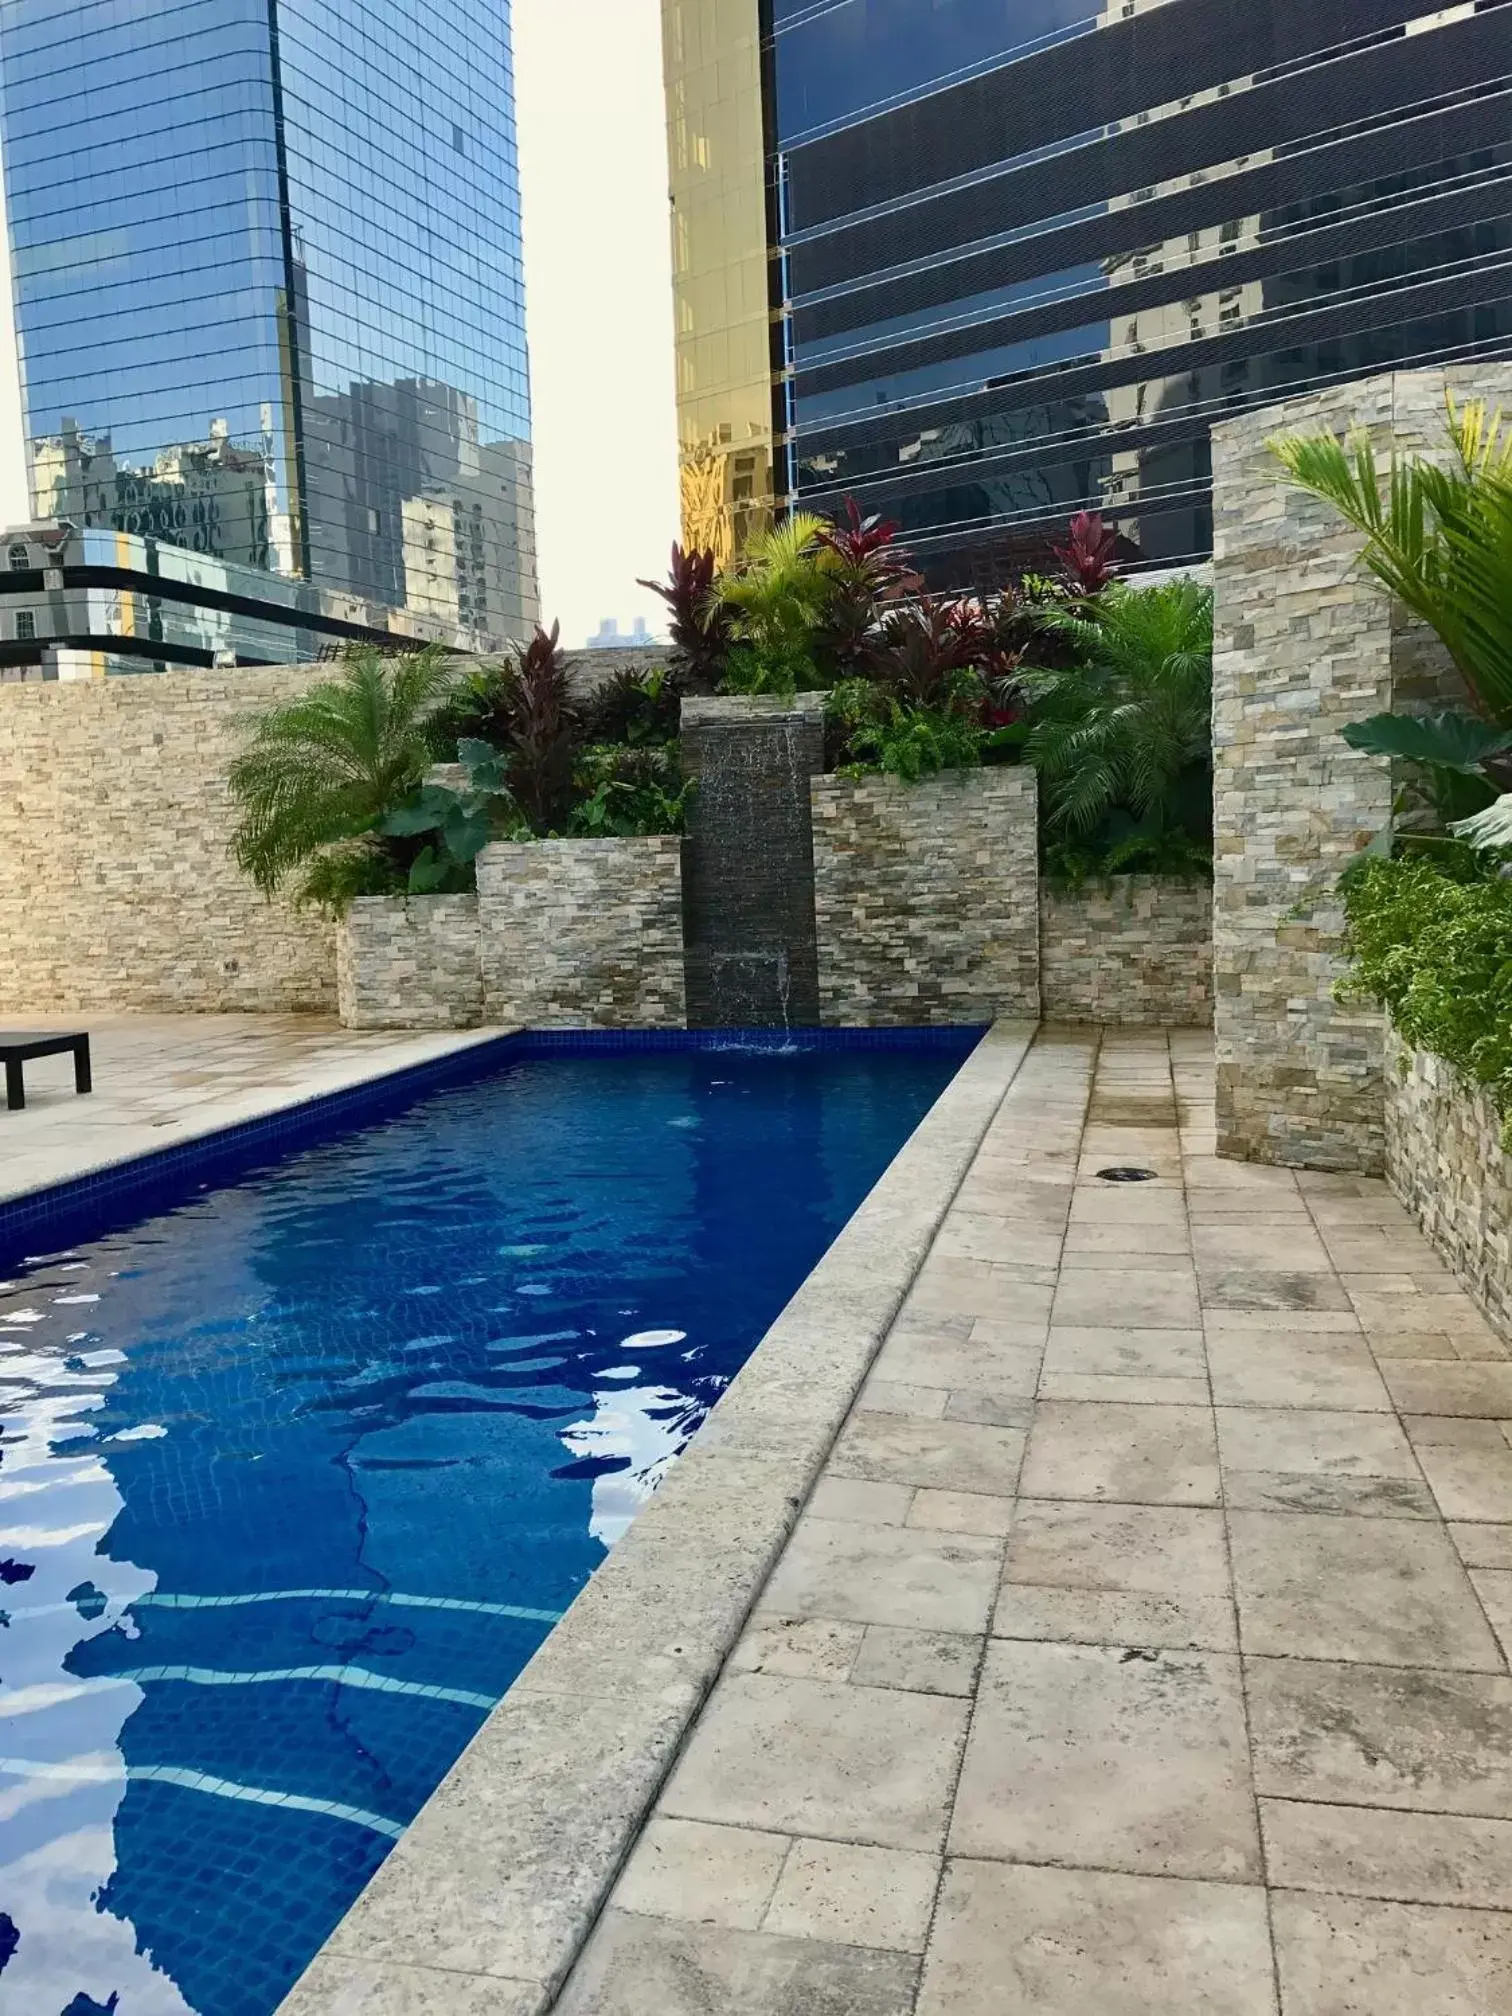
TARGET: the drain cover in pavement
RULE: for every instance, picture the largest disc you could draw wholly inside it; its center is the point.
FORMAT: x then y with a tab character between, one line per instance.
1126	1175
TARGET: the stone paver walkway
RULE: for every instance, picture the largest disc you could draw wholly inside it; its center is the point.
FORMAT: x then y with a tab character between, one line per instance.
1141	1651
163	1079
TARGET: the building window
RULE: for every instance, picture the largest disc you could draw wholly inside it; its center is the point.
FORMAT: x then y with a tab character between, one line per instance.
26	623
20	559
457	139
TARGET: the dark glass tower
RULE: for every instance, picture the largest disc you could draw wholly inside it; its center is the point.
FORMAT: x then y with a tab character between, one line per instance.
268	288
1023	253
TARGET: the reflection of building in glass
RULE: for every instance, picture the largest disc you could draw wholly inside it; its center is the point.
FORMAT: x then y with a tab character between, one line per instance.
1022	253
211	496
82	604
291	336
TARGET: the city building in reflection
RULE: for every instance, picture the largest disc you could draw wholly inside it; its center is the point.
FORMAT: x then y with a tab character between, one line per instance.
269	299
981	263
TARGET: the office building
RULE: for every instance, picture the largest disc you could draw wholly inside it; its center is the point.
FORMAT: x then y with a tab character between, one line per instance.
982	263
268	292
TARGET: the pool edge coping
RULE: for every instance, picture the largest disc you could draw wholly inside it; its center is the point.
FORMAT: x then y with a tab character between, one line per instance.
494	1887
326	1098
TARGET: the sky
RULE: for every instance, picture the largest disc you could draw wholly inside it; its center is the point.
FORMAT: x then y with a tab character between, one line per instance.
598	305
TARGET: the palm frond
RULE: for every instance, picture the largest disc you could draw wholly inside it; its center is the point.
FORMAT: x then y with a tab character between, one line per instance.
320	772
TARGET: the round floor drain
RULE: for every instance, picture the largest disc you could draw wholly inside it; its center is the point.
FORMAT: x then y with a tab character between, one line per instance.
1126	1175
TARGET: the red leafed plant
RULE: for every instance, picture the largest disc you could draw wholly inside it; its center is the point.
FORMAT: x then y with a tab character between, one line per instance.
542	728
867	571
921	646
702	627
1089	552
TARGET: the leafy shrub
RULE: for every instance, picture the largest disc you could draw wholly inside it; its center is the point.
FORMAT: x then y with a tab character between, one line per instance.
638	709
1122	738
321	775
1435	950
624	793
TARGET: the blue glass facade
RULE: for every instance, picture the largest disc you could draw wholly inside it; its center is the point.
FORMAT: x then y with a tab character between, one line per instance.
1024	253
1030	250
268	288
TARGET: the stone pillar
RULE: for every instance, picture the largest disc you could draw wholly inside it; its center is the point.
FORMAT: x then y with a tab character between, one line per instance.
748	861
1305	642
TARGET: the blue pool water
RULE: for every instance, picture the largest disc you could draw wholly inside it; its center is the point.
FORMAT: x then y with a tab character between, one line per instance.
295	1477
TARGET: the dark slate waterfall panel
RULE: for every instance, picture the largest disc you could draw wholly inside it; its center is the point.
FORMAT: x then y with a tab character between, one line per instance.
748	862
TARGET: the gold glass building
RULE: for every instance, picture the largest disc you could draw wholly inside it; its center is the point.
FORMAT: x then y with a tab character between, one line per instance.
717	152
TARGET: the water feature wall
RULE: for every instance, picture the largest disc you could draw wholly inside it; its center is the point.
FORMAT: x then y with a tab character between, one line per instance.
749	944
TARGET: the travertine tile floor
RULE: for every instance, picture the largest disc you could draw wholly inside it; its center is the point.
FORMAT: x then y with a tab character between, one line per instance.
162	1079
1142	1651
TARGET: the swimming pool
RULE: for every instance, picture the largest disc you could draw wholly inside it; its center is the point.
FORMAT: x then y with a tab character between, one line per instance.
296	1476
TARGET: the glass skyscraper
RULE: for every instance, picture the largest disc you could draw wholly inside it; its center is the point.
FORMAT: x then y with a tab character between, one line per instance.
268	291
992	261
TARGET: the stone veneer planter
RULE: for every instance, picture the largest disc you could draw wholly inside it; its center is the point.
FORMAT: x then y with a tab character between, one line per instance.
1133	949
926	898
1444	1159
409	962
583	934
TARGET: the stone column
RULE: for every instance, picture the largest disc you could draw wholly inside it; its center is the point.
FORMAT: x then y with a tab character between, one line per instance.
1305	641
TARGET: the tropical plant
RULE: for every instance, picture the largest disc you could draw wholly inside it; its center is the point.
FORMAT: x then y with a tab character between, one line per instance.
1438	538
776	600
626	792
321	774
525	708
866	571
1448	752
1435	949
877	731
1089	552
1122	739
637	709
462	822
1489	831
701	625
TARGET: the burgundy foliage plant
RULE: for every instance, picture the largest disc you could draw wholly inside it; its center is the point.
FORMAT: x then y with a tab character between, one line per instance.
702	627
1089	552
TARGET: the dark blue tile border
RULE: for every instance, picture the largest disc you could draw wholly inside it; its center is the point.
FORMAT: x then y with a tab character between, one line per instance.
88	1207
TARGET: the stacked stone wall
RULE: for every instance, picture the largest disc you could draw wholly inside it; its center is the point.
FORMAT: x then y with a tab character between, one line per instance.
117	888
583	933
1445	1160
409	963
1305	642
1134	949
926	898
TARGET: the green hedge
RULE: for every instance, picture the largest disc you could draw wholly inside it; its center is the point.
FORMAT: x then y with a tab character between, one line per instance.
1436	952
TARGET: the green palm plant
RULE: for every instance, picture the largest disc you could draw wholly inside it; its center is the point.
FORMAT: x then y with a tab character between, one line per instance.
321	774
777	598
1122	738
1439	538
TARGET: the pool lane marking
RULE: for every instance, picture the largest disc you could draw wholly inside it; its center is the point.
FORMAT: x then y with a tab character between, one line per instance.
165	1601
201	1781
345	1676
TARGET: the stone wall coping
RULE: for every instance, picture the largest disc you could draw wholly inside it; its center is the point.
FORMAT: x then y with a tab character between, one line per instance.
701	709
564	843
503	1871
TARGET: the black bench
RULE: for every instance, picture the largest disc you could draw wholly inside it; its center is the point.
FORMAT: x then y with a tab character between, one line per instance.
17	1046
